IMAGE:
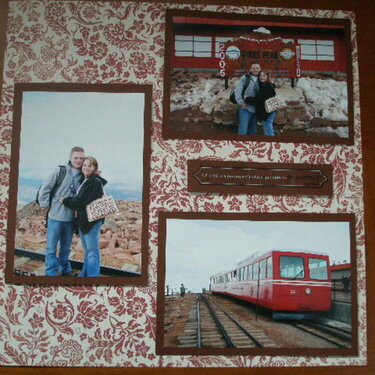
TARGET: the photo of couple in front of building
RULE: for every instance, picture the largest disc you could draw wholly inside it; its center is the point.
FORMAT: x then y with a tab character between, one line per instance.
234	76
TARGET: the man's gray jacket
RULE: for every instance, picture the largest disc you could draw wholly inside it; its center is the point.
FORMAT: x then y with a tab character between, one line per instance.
251	91
67	188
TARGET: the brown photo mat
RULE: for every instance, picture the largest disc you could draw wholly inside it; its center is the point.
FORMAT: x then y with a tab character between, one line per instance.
162	256
129	279
259	178
170	132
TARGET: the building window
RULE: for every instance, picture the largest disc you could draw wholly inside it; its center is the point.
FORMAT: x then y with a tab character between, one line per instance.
219	40
288	40
193	45
317	50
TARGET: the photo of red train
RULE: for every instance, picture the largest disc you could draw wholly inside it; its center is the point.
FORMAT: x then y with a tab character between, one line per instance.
291	283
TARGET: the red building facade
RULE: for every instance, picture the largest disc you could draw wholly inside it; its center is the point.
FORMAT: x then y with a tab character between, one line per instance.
196	42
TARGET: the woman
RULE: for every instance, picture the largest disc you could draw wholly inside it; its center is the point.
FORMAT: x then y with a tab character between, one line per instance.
266	91
90	189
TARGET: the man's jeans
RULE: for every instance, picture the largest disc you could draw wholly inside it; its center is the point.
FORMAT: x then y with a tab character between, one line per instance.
58	231
90	243
247	122
268	124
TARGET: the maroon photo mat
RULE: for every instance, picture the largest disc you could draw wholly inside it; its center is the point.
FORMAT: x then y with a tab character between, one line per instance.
324	352
13	185
168	133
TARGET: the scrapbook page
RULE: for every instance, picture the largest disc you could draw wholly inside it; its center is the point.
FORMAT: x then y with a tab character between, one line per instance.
226	143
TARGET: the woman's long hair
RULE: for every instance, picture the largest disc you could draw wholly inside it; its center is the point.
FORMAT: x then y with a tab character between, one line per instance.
93	162
268	77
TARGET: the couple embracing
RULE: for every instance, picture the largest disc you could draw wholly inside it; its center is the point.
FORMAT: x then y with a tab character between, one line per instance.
66	193
251	92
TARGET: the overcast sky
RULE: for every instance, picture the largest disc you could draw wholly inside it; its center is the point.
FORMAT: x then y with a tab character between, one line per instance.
109	126
198	249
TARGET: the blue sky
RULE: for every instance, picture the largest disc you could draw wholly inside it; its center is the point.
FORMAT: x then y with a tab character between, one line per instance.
109	126
198	249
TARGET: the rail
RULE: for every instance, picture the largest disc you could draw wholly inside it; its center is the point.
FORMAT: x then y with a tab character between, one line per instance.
246	332
218	323
305	328
199	332
76	264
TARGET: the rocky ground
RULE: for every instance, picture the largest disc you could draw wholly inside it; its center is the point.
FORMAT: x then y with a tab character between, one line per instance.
119	241
317	106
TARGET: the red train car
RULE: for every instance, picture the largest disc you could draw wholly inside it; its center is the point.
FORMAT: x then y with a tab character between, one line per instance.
291	283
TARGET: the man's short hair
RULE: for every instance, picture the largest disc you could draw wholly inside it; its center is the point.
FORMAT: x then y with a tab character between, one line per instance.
254	62
76	149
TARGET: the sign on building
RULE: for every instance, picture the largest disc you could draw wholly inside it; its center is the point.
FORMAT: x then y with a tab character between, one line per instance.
271	52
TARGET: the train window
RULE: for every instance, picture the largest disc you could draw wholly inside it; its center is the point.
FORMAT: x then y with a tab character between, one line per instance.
250	277
218	41
269	267
318	269
291	267
262	269
322	50
255	271
193	45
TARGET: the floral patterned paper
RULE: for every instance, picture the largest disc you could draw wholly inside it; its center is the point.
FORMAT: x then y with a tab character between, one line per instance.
123	42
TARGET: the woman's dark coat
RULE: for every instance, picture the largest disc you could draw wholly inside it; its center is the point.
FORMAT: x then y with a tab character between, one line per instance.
92	189
266	91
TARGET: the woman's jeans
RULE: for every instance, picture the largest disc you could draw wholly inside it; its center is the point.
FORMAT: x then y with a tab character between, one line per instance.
58	232
247	122
268	124
90	243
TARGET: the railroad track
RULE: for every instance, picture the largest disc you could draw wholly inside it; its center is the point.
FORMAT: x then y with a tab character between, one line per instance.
339	337
27	260
210	325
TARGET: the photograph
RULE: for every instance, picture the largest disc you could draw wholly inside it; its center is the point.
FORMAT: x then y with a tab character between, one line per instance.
78	168
255	77
266	284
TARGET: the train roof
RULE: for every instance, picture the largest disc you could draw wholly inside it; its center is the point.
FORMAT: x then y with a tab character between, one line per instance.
260	254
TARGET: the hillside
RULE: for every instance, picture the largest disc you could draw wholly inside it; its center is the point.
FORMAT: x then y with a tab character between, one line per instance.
120	235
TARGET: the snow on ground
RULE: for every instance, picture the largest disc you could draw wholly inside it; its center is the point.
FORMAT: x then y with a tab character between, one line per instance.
326	97
340	131
323	98
207	93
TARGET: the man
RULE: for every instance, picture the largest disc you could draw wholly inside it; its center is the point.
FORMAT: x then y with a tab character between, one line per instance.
246	113
60	218
182	291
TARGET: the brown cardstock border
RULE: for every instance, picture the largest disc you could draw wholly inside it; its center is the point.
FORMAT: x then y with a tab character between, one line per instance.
305	352
170	134
195	186
13	184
